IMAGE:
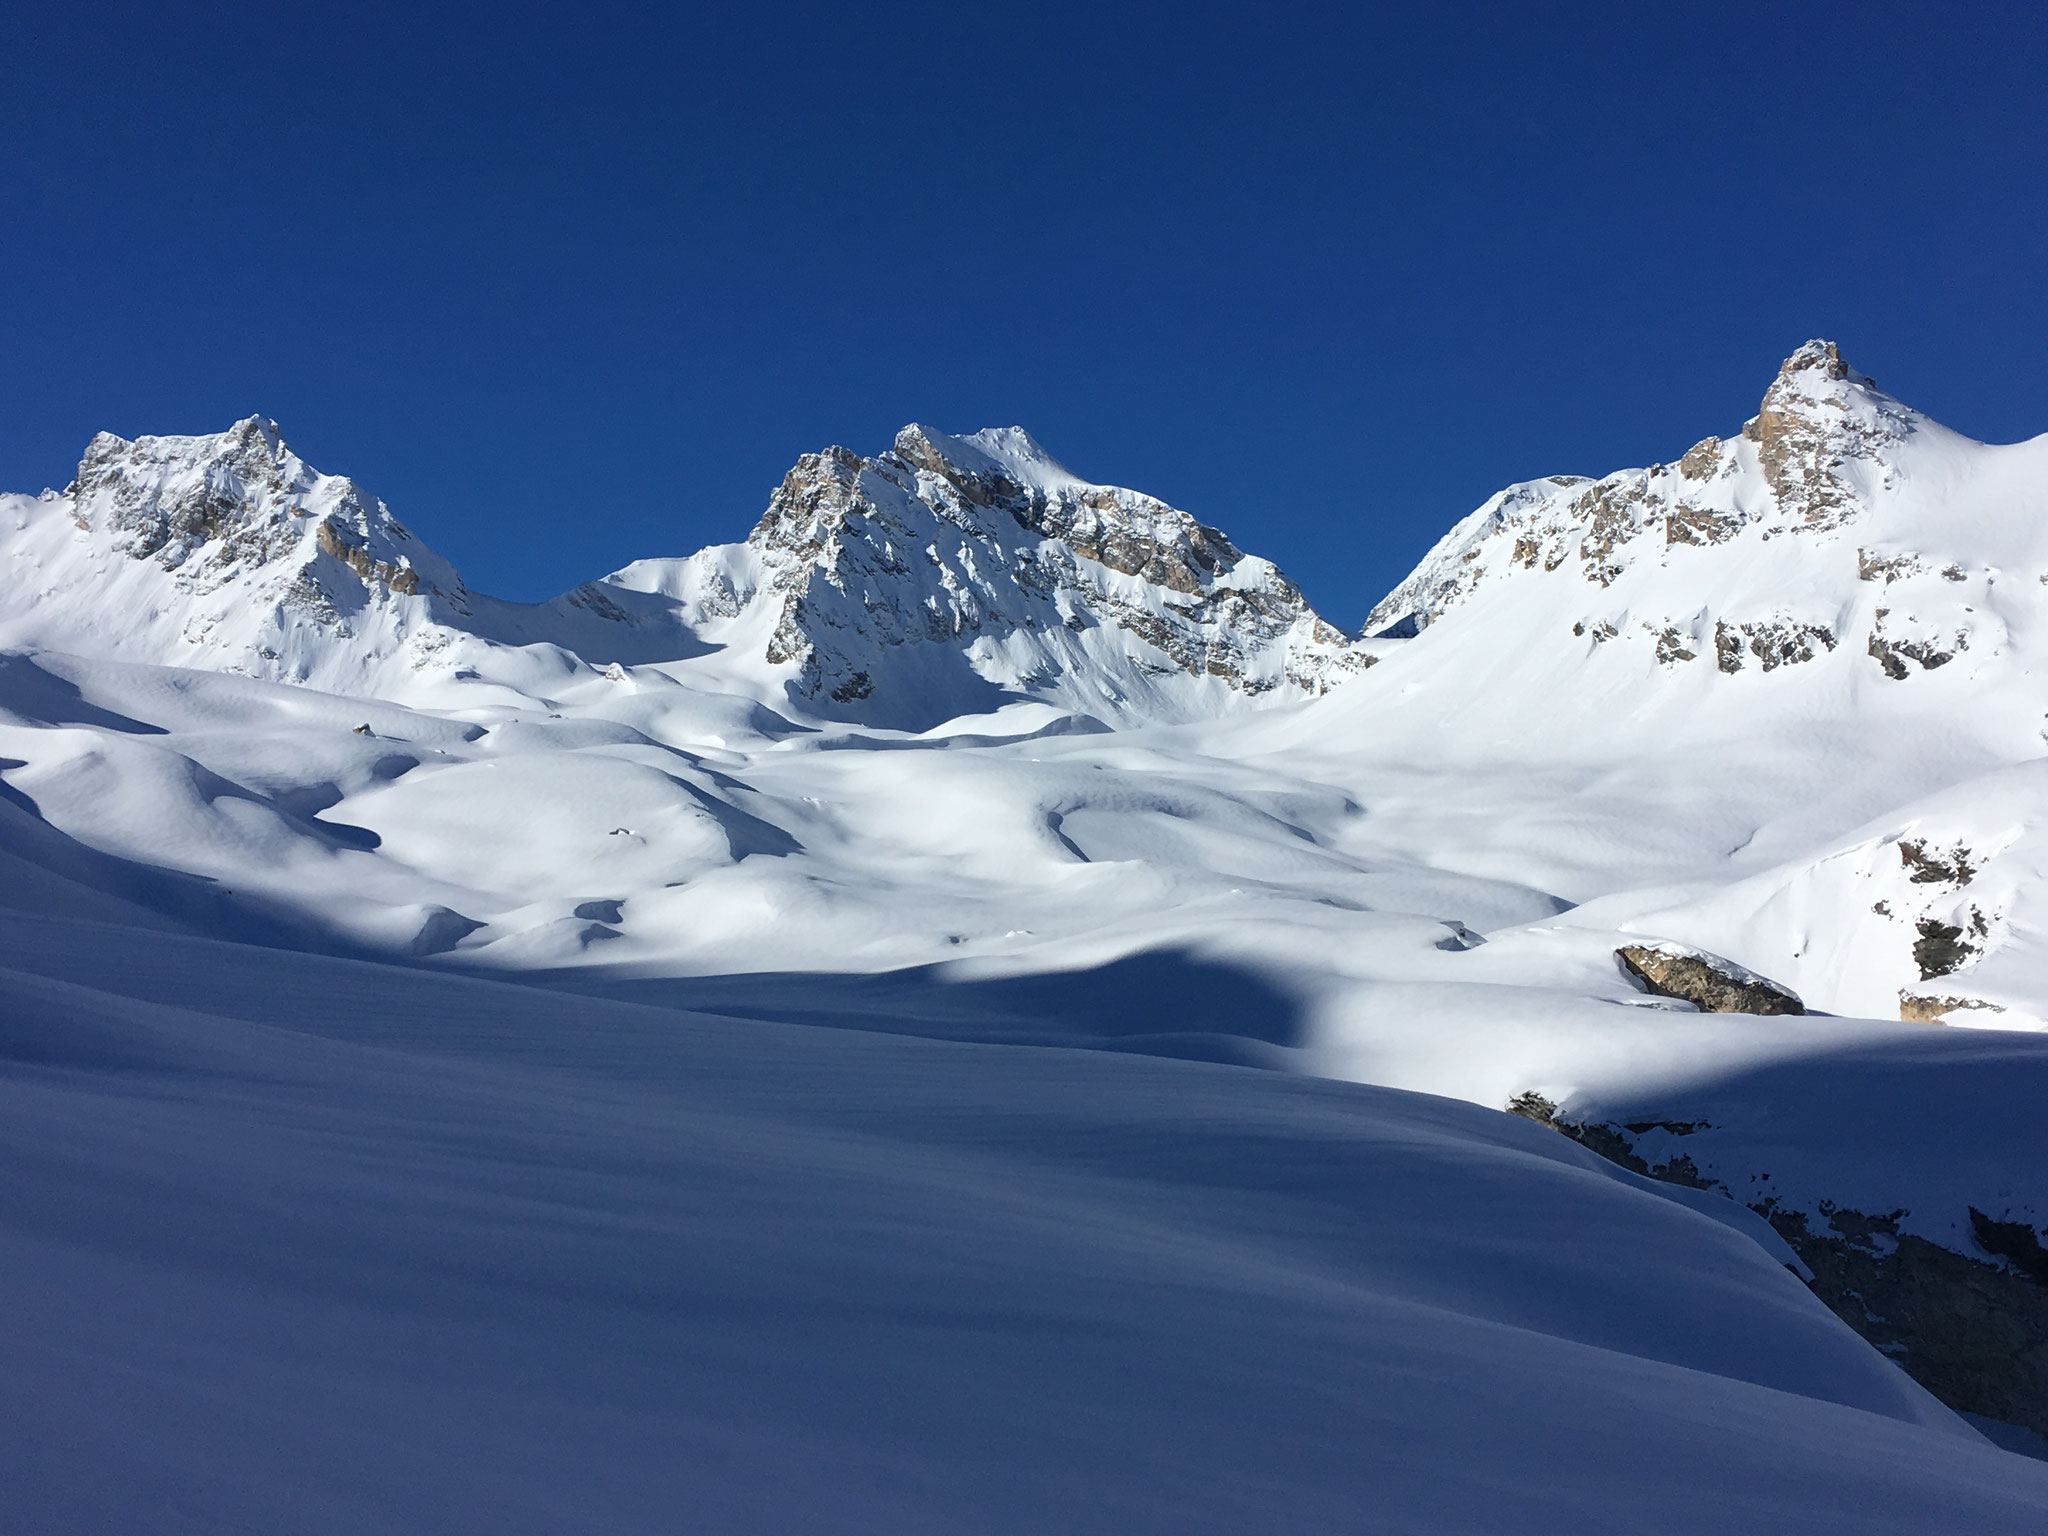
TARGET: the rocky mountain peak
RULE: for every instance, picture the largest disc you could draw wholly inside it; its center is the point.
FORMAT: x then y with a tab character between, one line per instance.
226	551
1821	451
229	506
1818	414
200	506
987	549
1819	356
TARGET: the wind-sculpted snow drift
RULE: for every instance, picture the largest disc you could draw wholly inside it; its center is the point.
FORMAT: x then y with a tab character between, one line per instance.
957	745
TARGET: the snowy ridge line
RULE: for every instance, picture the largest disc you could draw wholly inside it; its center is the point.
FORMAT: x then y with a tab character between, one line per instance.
945	576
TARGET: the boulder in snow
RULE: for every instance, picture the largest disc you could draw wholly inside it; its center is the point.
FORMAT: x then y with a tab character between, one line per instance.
1708	982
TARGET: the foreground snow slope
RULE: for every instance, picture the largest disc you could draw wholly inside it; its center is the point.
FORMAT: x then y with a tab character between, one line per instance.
309	1244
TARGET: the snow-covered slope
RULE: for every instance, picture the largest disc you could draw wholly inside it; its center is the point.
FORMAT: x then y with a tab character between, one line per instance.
310	1245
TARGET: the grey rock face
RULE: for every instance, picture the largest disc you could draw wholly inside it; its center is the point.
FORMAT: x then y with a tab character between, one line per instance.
1707	982
984	553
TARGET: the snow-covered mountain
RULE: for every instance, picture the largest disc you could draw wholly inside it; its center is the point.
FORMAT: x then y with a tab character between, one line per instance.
950	572
957	745
1838	517
944	577
225	553
1844	591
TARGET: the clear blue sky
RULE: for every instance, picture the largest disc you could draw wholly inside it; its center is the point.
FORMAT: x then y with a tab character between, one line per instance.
572	284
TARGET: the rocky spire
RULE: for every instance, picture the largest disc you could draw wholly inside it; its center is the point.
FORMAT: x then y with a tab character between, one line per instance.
1818	413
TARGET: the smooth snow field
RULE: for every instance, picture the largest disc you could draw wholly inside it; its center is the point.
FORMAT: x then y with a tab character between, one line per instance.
297	1243
977	1011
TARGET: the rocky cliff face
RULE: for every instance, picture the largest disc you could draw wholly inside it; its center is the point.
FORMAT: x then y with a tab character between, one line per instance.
950	573
984	550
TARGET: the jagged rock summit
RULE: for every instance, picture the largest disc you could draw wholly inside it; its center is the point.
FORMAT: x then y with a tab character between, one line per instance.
212	509
1747	553
949	572
225	552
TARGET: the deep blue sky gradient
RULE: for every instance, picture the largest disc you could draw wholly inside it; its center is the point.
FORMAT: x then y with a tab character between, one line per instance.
569	285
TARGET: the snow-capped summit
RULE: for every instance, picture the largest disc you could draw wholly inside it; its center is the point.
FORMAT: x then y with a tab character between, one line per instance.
225	552
238	506
213	509
993	453
948	573
1761	550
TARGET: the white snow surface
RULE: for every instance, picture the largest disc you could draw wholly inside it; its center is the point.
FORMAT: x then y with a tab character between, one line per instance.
599	1063
298	1243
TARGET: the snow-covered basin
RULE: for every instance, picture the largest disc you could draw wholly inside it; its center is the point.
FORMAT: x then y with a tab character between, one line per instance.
1306	893
298	1243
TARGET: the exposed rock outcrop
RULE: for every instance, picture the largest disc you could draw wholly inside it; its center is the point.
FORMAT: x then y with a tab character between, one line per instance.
1929	1008
1973	1330
1930	865
1973	1333
1774	643
1708	982
1894	642
1945	948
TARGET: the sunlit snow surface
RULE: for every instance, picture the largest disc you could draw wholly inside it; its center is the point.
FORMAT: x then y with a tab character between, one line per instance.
499	1083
